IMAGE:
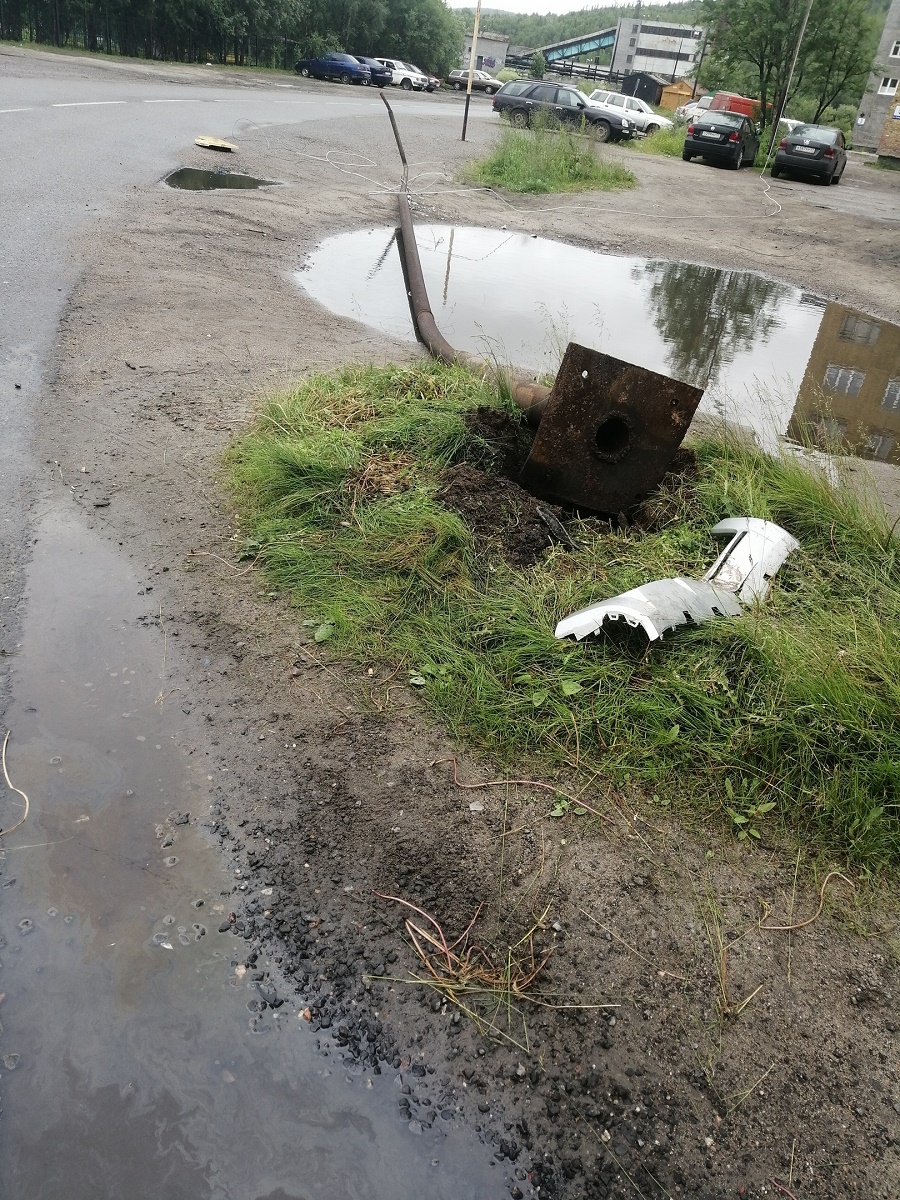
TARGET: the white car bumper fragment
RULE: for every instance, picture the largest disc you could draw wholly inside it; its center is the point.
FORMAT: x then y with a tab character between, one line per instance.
740	575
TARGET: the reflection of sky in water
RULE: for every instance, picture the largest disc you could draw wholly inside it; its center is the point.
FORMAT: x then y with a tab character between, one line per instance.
520	299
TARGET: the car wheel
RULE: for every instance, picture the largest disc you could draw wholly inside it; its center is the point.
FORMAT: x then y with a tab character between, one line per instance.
602	131
429	90
406	84
345	78
776	172
489	91
687	157
839	176
457	86
519	118
305	72
651	128
734	164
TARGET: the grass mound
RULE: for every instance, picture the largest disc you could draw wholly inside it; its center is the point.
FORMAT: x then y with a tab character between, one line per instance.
548	160
669	141
787	714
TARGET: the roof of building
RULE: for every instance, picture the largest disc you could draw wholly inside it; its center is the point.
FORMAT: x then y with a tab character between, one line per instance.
494	37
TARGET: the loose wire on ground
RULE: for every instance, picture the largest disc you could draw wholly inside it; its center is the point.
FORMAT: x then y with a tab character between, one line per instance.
12	787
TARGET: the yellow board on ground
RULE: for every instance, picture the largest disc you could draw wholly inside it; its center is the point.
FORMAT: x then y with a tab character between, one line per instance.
213	143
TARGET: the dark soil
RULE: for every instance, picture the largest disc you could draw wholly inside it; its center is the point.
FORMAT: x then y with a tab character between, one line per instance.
501	514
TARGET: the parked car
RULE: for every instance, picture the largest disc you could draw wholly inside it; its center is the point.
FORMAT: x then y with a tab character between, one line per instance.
816	150
638	112
693	108
406	76
431	81
481	82
334	66
723	137
380	74
565	103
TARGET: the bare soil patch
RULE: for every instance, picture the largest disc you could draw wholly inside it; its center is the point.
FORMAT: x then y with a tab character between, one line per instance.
736	1055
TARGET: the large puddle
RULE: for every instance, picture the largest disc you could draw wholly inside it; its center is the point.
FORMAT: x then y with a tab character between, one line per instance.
130	1064
769	355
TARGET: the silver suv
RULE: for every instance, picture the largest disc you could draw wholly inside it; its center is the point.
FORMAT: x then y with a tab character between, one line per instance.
407	76
640	115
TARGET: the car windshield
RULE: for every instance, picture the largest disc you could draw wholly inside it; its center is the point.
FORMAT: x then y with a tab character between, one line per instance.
816	133
410	67
714	117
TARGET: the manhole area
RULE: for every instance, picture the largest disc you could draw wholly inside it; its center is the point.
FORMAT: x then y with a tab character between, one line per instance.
192	179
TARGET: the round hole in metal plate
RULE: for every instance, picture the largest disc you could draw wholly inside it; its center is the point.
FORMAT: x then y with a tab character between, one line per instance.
613	438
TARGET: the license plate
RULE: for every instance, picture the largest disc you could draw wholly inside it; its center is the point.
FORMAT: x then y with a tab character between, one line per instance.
804	149
706	133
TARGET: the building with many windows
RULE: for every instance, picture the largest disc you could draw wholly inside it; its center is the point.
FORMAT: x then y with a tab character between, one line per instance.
880	98
849	399
669	51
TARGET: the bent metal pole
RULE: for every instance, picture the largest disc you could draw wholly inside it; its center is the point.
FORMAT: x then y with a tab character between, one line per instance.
531	397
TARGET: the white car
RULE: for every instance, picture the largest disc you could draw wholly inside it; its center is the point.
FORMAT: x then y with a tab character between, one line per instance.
640	115
407	76
693	108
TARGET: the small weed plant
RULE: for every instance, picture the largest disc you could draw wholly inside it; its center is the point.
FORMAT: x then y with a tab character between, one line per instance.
548	159
785	718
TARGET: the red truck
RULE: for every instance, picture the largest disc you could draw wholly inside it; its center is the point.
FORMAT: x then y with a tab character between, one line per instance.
732	102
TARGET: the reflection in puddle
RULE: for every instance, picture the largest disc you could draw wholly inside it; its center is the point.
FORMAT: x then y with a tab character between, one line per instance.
190	179
769	356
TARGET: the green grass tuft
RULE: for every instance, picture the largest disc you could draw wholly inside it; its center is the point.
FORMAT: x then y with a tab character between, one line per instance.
669	141
548	160
795	704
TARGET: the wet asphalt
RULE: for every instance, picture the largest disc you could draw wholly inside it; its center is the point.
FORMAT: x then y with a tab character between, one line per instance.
134	1060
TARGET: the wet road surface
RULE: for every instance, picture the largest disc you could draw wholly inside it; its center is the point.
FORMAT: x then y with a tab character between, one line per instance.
130	1062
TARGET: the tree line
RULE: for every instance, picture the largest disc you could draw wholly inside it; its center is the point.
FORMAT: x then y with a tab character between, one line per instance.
269	33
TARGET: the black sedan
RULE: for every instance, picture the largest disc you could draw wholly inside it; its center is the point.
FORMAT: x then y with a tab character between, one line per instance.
522	103
381	75
334	66
721	137
816	150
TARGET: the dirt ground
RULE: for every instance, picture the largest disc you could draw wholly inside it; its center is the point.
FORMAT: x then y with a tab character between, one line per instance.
725	1059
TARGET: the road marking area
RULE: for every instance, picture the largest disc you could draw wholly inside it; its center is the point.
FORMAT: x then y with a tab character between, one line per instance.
87	103
6	110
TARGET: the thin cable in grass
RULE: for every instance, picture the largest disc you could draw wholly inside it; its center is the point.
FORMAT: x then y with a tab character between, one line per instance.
549	787
615	1158
809	920
12	787
790	944
612	933
742	1096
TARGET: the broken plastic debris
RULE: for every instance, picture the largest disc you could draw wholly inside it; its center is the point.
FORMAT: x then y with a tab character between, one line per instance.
741	574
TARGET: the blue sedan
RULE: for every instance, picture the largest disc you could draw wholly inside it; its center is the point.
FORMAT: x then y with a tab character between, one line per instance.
334	66
381	75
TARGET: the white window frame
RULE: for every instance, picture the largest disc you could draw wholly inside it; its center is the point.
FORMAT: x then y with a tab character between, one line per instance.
843	381
888	86
891	398
894	51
